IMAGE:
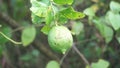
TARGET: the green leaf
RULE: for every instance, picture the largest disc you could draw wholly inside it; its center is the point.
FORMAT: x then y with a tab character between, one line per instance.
77	27
49	16
53	64
100	64
46	29
38	8
46	1
108	34
89	12
28	35
114	19
70	13
118	35
87	66
36	19
35	52
115	6
61	19
0	66
7	31
26	57
118	38
105	31
63	2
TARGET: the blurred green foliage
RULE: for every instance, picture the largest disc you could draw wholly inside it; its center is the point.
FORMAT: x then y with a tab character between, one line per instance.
96	36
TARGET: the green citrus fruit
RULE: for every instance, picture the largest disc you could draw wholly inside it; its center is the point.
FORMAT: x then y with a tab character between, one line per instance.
53	64
60	39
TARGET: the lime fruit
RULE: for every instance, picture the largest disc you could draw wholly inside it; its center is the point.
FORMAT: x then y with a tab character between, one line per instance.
60	39
53	64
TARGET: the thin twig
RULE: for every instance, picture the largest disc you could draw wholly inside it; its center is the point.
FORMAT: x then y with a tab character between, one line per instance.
84	41
81	55
64	56
37	44
10	39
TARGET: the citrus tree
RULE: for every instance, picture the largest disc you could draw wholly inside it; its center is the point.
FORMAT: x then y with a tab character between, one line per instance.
71	33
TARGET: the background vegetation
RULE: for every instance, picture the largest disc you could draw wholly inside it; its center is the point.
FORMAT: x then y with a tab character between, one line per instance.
97	36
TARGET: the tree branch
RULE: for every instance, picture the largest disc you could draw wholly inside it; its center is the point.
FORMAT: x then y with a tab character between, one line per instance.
82	56
9	20
12	23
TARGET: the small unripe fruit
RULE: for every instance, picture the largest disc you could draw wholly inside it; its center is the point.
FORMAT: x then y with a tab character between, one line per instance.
60	39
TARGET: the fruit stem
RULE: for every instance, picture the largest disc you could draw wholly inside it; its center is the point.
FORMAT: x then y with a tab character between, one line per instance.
10	39
54	12
64	56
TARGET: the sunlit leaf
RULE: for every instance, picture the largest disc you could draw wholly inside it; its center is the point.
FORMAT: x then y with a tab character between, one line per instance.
28	35
118	35
87	66
77	27
89	12
63	2
118	38
115	6
114	19
38	8
46	29
49	16
105	31
61	19
46	1
53	64
70	13
36	19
